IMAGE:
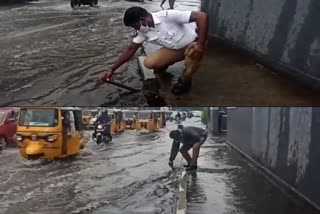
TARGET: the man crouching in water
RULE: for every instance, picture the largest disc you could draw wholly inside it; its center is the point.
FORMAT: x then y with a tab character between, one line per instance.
190	137
179	39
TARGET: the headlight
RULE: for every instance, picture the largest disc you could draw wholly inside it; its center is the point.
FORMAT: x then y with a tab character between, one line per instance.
19	138
52	138
99	126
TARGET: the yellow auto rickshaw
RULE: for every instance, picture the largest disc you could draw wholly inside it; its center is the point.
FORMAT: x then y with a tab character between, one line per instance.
147	120
130	118
161	115
86	117
117	124
50	132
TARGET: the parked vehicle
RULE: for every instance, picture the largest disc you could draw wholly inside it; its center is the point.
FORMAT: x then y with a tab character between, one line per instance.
78	3
197	113
8	127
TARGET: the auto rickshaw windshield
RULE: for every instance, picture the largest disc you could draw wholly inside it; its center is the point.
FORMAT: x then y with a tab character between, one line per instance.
38	117
94	113
85	113
129	114
144	115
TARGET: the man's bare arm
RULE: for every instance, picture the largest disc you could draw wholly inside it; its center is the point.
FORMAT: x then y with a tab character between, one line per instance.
126	56
202	20
174	150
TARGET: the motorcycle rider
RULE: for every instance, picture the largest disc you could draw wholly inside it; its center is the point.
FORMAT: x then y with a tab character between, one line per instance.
178	116
184	116
190	137
103	119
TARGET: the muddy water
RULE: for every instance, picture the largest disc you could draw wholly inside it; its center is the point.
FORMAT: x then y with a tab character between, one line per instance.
52	55
130	174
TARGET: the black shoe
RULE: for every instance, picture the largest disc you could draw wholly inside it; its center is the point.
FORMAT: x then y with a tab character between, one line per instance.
163	69
191	168
163	76
182	86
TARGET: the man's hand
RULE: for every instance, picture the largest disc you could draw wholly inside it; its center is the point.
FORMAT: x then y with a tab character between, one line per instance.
197	51
107	75
171	164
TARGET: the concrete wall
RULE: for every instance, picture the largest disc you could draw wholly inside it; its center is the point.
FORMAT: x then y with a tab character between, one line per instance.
284	140
216	121
280	32
213	120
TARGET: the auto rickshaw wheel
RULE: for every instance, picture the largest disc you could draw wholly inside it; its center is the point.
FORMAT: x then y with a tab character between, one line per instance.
99	140
3	142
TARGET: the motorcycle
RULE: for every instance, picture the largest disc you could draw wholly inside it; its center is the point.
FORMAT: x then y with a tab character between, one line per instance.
178	119
83	2
102	134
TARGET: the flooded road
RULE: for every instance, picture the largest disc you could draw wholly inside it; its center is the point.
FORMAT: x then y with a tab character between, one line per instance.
51	54
131	175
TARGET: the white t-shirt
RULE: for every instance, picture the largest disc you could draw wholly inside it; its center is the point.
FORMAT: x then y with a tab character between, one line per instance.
172	30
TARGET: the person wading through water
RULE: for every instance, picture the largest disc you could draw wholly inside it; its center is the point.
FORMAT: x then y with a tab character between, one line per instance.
172	30
190	137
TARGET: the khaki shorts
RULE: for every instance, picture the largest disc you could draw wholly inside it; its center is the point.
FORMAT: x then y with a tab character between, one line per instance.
167	57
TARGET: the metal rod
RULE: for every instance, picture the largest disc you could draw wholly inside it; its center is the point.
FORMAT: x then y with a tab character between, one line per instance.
123	86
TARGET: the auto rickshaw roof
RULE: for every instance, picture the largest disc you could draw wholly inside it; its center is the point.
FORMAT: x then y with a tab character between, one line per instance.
70	108
158	110
129	110
115	110
146	111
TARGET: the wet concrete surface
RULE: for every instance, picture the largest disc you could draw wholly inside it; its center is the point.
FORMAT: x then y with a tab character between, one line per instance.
228	77
225	183
131	175
53	55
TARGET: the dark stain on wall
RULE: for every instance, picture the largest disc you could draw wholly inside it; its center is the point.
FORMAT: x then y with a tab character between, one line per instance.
303	63
268	137
288	173
285	21
309	32
310	184
246	26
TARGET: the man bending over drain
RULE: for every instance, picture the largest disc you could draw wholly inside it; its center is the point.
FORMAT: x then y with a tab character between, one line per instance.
190	137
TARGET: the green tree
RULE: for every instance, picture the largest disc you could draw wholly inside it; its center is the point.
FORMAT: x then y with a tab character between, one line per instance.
205	115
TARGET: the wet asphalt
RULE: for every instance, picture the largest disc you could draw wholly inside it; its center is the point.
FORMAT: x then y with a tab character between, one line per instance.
131	175
52	54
